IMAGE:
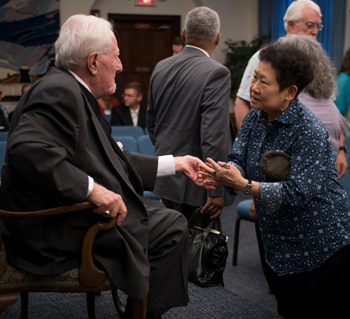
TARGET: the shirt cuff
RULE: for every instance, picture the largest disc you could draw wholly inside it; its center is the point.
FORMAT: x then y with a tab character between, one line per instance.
90	186
166	165
271	196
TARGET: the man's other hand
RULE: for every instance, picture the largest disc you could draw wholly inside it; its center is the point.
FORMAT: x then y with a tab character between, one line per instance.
107	201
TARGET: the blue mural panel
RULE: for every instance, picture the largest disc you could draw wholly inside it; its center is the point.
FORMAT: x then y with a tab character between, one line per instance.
28	31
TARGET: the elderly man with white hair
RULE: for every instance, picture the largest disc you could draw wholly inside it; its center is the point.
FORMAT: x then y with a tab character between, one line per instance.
60	151
188	112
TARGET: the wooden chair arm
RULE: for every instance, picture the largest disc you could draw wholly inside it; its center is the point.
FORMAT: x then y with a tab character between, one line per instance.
47	212
89	275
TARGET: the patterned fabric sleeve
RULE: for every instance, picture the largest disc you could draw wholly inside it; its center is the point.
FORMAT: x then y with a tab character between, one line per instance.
309	165
238	155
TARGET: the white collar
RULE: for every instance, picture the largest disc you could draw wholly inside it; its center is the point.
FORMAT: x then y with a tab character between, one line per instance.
136	111
205	52
80	80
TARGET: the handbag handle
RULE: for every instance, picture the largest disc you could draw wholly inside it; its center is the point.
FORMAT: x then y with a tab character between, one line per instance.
203	221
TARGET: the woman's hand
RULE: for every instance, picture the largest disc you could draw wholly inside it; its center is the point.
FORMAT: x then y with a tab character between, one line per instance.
221	174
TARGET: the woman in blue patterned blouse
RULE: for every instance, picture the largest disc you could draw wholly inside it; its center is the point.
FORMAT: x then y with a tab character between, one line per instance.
304	220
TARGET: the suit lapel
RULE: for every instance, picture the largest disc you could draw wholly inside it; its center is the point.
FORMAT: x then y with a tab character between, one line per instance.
108	147
127	116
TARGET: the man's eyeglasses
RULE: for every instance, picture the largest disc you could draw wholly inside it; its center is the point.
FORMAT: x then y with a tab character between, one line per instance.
312	25
128	95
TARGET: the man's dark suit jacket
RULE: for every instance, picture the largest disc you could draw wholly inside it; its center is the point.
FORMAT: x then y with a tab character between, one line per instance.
188	113
121	116
55	142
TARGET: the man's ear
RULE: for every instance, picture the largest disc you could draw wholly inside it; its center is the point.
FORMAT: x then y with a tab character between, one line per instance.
290	24
217	40
139	98
93	63
292	92
183	35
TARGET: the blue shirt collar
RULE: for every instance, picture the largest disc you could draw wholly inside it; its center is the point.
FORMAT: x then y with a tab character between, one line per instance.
290	115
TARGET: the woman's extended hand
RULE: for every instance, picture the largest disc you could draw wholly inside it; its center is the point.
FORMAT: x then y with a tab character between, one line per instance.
220	174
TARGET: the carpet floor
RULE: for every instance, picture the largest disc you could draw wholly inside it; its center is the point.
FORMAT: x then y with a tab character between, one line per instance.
205	303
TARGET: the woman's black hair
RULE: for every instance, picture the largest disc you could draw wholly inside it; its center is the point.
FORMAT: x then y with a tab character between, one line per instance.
292	66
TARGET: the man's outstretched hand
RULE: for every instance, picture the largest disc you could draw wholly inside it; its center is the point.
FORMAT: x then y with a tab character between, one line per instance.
189	166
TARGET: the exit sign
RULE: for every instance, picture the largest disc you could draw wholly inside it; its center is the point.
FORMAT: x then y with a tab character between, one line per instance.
145	3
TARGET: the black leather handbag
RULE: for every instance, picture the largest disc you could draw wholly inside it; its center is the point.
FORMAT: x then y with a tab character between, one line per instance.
207	251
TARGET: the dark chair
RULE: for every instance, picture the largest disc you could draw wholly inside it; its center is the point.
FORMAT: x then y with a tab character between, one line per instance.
243	213
87	278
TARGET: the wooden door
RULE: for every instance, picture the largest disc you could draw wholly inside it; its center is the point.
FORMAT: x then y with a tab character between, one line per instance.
144	41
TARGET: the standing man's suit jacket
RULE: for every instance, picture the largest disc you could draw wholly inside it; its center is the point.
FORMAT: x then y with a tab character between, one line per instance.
188	113
55	142
121	116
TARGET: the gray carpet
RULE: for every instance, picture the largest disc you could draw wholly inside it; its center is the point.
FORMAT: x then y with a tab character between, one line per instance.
215	302
246	278
245	294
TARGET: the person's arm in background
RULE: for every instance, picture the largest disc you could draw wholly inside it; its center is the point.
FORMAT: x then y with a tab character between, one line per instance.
242	107
242	104
215	132
340	162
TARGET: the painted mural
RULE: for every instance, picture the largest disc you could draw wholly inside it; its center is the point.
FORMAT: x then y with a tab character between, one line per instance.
28	30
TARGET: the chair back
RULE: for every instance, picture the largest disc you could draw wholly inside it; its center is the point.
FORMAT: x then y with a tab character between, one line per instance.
145	146
108	117
2	153
3	136
134	131
128	142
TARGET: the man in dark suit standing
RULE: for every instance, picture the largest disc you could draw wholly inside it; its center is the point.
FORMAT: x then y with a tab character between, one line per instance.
131	112
60	151
188	112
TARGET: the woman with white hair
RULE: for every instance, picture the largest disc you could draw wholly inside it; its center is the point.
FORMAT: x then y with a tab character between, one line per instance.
318	95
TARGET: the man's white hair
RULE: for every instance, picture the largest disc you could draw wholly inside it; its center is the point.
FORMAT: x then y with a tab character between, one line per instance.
294	11
79	36
202	25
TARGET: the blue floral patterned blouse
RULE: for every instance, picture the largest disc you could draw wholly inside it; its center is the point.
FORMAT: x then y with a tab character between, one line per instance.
305	219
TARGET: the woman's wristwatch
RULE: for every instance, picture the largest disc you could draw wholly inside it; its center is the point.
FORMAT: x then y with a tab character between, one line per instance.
342	148
248	187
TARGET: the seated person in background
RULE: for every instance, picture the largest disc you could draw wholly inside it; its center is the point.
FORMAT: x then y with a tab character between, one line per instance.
3	114
178	45
305	219
60	151
131	112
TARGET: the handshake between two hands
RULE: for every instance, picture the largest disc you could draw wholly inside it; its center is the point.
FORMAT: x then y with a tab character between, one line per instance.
203	175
